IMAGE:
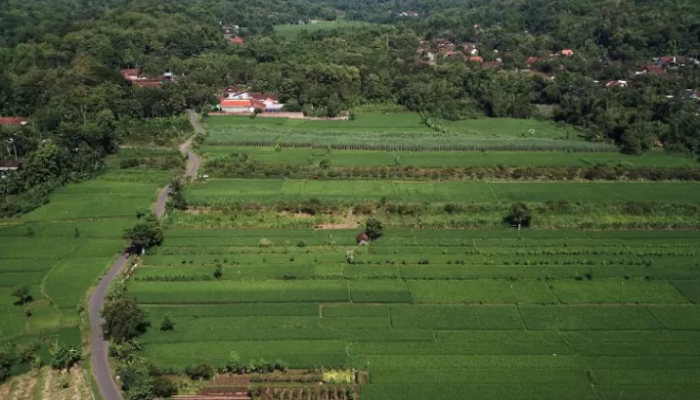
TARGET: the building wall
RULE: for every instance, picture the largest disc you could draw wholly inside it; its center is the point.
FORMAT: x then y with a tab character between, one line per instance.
236	109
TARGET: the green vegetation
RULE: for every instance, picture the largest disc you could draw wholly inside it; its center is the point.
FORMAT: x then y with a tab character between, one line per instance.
582	281
567	312
359	158
398	132
214	191
290	30
51	256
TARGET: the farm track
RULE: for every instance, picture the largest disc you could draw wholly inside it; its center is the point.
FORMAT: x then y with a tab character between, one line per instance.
100	360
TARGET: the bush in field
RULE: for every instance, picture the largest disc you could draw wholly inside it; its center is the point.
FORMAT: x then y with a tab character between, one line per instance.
66	357
28	352
124	320
374	228
324	164
145	234
199	371
6	361
234	364
163	387
142	381
520	215
167	324
22	294
218	272
177	194
265	243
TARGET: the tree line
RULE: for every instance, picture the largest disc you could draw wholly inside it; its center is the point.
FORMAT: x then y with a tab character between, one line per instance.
60	63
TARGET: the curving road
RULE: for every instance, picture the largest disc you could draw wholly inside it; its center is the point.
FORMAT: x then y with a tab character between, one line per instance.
100	360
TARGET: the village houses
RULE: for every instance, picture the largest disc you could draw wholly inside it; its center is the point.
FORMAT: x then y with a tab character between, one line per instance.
136	77
240	101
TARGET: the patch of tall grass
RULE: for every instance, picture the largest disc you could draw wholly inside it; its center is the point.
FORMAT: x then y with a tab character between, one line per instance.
393	141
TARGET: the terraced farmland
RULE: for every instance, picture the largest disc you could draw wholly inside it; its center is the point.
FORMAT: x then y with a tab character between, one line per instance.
221	190
57	252
438	314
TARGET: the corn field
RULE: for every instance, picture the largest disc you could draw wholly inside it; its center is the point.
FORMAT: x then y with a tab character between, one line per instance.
395	141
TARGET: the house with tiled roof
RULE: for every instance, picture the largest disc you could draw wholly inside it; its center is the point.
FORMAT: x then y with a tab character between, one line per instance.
14	121
470	48
135	76
652	69
617	84
498	63
8	165
235	100
532	61
236	40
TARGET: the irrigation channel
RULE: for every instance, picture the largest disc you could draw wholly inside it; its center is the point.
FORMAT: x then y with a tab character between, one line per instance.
100	360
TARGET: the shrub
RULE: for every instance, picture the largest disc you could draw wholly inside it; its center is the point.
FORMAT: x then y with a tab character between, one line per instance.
167	324
22	294
374	228
129	163
66	357
163	387
200	371
519	215
146	233
124	320
265	243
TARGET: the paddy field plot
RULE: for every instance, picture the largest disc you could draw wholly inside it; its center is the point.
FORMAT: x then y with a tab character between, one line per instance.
58	251
221	190
493	314
397	132
367	158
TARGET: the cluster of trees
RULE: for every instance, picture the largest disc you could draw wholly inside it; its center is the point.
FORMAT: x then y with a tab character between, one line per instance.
124	322
60	62
63	357
59	66
324	73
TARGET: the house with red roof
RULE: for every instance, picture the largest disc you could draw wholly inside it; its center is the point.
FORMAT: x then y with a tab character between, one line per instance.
235	100
652	69
672	61
532	61
567	52
476	59
236	40
492	64
14	121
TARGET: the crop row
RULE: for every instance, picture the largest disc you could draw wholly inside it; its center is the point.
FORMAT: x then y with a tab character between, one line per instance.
256	170
258	136
418	291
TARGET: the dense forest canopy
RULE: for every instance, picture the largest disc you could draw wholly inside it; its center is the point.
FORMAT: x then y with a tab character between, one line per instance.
60	63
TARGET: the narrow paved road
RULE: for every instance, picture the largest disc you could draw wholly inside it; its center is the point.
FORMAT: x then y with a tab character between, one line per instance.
100	360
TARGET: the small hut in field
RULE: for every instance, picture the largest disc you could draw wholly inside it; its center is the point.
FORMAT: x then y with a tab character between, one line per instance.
362	239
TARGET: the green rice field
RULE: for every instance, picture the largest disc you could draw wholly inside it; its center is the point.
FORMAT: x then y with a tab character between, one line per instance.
488	314
398	132
59	251
218	190
360	158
